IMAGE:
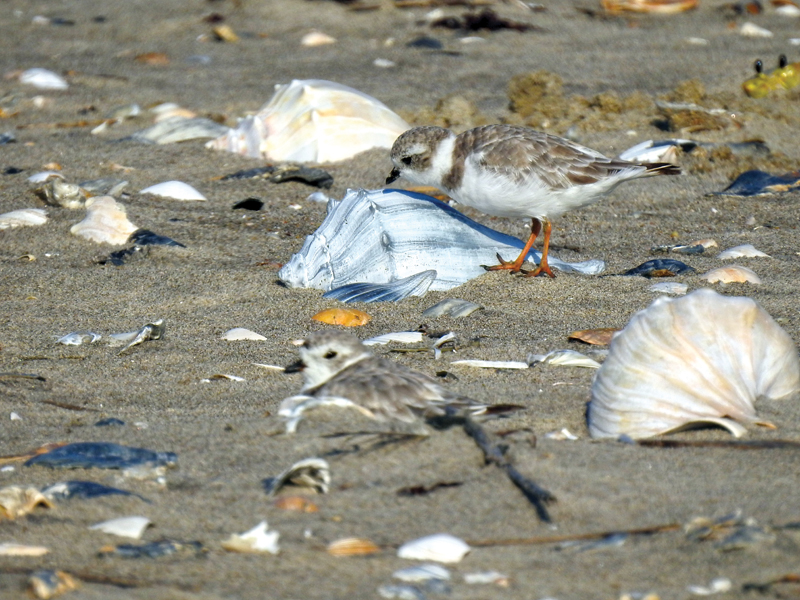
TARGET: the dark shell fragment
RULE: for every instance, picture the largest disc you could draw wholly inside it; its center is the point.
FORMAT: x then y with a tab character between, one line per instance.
280	173
249	204
660	267
101	455
756	183
67	490
155	549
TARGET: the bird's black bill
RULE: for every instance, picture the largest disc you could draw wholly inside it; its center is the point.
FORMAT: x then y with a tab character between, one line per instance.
295	367
393	176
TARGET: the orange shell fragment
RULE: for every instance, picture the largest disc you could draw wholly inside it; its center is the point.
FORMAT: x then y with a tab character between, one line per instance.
660	7
599	337
352	547
348	317
296	504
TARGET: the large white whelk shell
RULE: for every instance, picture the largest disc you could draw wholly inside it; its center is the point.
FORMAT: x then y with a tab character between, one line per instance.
702	358
105	222
314	120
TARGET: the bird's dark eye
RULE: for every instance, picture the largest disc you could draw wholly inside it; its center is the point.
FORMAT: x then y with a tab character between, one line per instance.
782	61
330	354
406	160
759	66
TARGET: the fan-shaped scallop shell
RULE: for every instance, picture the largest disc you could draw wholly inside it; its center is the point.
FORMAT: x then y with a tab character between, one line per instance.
105	221
702	358
314	120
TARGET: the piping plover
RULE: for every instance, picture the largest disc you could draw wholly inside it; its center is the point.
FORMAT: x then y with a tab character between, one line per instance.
509	171
338	369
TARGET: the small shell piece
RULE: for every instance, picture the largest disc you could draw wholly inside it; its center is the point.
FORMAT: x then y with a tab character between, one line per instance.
130	527
43	176
669	287
422	573
451	307
401	337
58	192
49	584
440	547
352	547
240	333
296	504
732	274
43	79
317	38
599	337
661	7
16	501
259	539
77	338
348	317
492	364
754	31
177	190
314	473
564	358
24	217
11	549
683	362
105	222
745	250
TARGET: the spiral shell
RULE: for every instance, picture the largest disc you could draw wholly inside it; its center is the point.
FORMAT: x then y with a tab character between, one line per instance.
682	362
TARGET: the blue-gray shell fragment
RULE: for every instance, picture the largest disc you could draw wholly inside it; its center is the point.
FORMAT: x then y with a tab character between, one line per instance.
660	267
415	285
101	455
757	183
382	236
67	490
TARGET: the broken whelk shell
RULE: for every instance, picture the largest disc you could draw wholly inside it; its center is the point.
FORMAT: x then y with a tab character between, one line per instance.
46	584
451	307
177	190
58	192
440	547
24	217
732	274
105	223
689	362
240	333
375	237
745	250
314	473
257	540
150	331
130	527
352	547
43	79
17	501
413	285
315	121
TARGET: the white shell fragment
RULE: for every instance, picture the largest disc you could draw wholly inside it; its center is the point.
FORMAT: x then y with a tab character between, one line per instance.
422	573
293	408
258	539
670	287
752	30
654	151
440	547
24	217
717	586
451	307
317	38
402	337
686	362
486	577
731	274
314	121
12	549
564	358
105	222
492	364
745	250
43	79
176	129
383	236
77	338
130	527
240	333
177	190
43	176
312	473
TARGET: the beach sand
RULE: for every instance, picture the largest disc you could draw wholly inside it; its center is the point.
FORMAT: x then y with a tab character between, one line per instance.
227	434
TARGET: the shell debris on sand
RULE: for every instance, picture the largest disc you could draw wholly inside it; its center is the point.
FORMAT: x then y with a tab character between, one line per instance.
702	359
24	217
105	223
240	333
314	121
745	250
17	501
258	540
732	274
440	547
347	317
352	547
46	584
130	527
177	190
43	79
58	192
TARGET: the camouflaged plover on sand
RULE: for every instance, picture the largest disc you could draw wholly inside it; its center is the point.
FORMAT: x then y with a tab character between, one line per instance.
509	171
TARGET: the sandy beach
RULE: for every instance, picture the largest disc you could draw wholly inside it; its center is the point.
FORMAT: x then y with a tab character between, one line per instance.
227	435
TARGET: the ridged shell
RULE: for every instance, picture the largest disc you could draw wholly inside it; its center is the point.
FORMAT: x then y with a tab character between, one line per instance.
105	222
314	120
731	274
381	236
700	358
352	547
24	217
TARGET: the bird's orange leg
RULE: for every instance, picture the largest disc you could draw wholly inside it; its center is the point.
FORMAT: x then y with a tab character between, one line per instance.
516	266
543	266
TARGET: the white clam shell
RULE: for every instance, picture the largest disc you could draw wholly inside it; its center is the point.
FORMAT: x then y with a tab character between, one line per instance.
422	573
731	274
177	190
43	176
745	250
754	31
402	337
376	237
317	38
240	333
105	222
702	358
24	217
314	121
130	527
43	79
258	539
440	547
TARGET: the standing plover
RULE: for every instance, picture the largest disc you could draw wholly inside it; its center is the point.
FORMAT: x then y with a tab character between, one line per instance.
511	171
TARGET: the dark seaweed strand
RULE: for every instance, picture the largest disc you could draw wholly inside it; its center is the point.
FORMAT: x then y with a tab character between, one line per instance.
536	495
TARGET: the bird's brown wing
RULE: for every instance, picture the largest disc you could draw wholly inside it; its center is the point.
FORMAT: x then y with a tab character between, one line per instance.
520	153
